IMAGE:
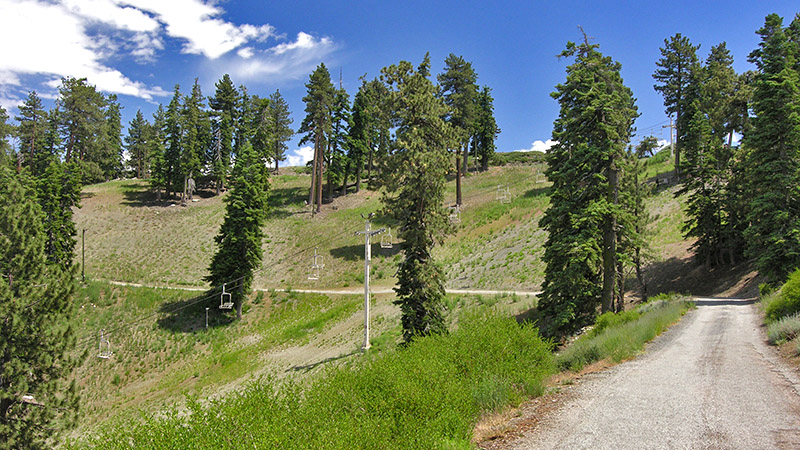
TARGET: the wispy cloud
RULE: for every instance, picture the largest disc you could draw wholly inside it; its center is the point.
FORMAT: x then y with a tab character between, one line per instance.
73	53
86	38
289	60
539	146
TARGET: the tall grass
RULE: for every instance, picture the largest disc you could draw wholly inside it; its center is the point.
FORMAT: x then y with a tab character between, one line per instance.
621	336
427	395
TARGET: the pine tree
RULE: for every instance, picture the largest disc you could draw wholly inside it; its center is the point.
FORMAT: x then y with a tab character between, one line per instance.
773	237
240	236
109	152
337	140
59	192
358	135
277	125
592	130
173	129
137	145
196	138
486	129
82	124
678	59
31	132
155	139
316	126
5	147
36	338
457	87
223	107
414	196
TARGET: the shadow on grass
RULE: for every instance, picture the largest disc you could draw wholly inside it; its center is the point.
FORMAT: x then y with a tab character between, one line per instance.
138	195
356	252
684	275
281	198
309	367
189	316
537	192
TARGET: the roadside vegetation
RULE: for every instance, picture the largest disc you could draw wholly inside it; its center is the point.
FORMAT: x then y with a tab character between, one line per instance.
782	313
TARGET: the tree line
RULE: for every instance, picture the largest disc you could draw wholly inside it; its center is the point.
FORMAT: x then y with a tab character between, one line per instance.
742	201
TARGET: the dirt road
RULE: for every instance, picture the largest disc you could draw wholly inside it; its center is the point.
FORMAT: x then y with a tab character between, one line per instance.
709	382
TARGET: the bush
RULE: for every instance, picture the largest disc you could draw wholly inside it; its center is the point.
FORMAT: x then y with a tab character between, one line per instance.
787	301
784	329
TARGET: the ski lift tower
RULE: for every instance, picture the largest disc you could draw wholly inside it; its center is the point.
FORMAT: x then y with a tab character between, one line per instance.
368	233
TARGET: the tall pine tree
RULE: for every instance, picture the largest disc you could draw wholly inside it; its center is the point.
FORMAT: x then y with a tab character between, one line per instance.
773	237
240	237
414	196
316	126
592	130
36	399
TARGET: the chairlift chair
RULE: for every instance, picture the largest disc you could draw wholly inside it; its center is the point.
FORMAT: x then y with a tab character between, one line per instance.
506	197
225	299
386	239
317	264
455	214
104	347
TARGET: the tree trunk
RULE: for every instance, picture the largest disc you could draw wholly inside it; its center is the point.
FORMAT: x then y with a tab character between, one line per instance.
329	187
369	169
320	174
458	179
466	154
359	167
609	246
620	286
344	181
313	190
677	141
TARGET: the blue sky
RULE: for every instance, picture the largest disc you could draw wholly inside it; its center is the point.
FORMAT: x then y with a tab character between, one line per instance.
140	49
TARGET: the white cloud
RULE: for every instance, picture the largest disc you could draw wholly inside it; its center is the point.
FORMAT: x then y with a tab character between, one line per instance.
285	61
300	157
662	143
199	24
245	52
72	53
539	146
106	11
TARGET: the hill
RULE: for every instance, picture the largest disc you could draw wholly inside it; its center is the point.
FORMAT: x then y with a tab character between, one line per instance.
163	351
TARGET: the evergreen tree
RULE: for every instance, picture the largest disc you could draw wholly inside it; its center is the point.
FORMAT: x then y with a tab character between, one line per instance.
138	146
173	128
457	87
678	59
277	128
32	136
155	139
36	338
486	129
359	135
82	125
223	107
316	126
196	138
773	237
592	130
245	119
414	196
5	132
337	140
240	237
58	192
109	156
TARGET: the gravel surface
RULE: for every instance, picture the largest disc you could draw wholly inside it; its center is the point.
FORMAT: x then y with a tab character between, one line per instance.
711	381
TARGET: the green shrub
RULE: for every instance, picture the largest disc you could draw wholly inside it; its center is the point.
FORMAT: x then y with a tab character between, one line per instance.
784	329
427	395
621	336
787	301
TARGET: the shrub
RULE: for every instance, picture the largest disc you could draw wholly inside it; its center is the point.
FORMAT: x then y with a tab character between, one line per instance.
787	301
784	329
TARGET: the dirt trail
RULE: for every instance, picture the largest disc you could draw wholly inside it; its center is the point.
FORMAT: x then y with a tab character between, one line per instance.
711	381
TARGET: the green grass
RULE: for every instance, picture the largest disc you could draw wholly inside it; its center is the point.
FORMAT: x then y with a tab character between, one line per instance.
784	329
622	336
426	396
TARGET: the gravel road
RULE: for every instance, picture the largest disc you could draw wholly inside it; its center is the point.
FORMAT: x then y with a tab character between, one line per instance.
709	382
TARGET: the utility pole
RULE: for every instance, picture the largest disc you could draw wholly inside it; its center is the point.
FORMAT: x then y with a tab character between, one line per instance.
368	233
671	127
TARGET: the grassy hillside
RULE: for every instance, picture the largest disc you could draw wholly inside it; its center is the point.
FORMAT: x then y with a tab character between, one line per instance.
162	349
131	237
